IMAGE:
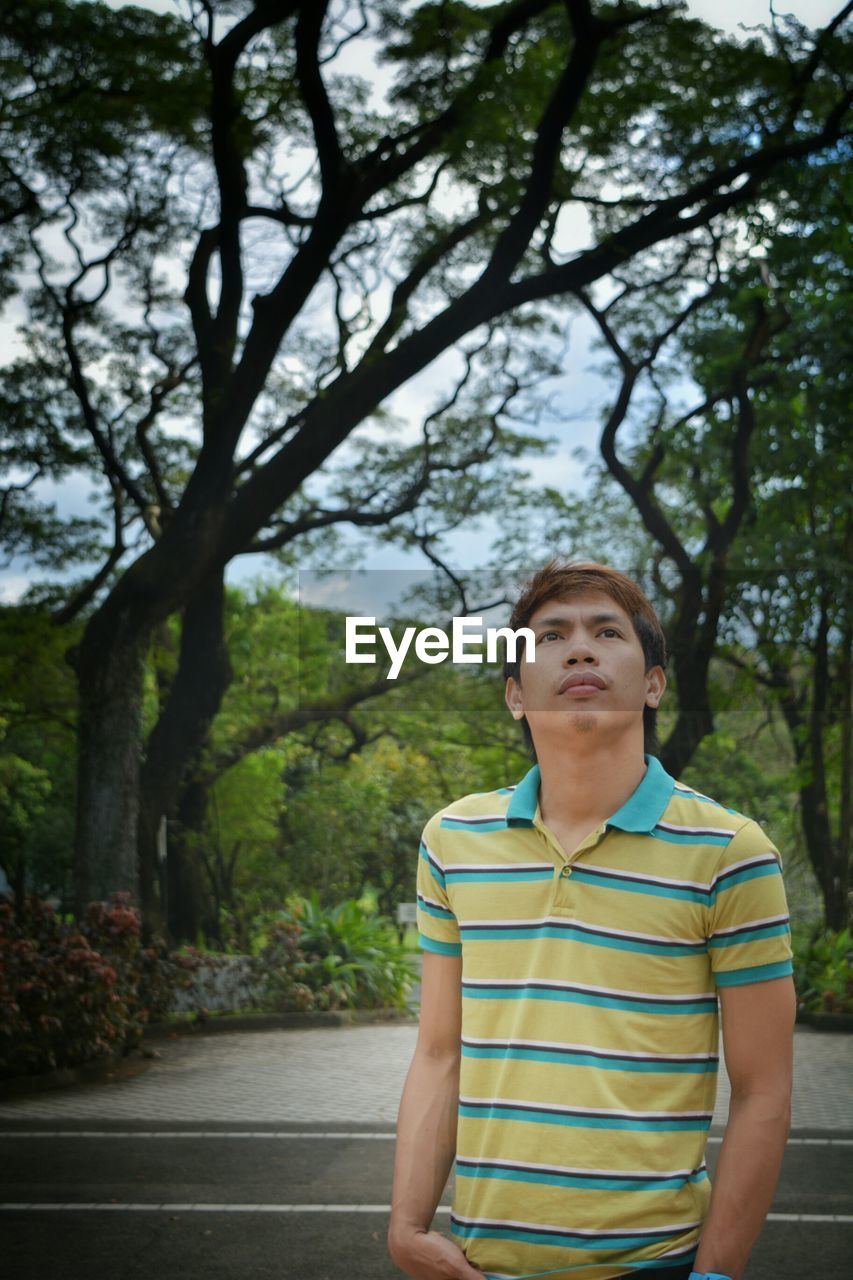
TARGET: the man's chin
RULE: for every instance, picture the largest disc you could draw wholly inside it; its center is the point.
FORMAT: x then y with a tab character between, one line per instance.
581	722
586	722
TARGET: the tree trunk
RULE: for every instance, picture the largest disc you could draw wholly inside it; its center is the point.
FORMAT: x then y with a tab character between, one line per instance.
692	645
110	668
110	673
176	741
830	868
694	722
846	816
188	906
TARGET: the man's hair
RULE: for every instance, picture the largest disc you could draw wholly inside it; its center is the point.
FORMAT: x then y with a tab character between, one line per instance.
560	580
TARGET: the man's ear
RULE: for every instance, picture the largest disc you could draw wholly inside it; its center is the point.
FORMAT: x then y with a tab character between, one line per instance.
655	685
513	697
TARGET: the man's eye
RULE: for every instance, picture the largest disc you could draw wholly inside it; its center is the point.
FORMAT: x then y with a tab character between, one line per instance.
547	635
610	631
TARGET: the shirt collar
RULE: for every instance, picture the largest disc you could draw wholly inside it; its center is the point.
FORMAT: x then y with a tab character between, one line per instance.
524	800
641	811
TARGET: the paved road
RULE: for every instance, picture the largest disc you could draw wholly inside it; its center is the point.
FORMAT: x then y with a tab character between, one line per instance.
269	1154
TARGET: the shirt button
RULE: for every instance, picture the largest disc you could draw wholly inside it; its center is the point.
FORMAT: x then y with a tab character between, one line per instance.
565	873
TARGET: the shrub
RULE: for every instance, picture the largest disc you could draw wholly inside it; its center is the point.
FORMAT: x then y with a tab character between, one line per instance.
822	971
342	957
160	974
73	992
282	969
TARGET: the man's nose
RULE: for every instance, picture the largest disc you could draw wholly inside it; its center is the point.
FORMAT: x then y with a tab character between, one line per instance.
579	651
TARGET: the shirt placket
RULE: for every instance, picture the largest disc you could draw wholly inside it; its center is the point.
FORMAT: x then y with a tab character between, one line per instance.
563	893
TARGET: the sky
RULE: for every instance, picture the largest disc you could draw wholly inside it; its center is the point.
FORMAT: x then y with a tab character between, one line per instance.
725	14
578	395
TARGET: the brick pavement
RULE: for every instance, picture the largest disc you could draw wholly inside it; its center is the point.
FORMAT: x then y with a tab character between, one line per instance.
345	1075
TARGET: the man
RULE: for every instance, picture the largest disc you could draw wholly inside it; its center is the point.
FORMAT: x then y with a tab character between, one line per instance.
578	931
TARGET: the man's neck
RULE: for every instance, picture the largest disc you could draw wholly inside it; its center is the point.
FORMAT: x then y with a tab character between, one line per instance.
585	787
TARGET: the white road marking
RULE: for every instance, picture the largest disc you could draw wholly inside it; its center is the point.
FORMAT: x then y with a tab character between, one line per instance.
284	1134
108	1206
185	1133
205	1208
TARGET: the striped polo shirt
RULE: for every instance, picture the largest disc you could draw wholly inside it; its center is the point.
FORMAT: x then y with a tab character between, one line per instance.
590	1030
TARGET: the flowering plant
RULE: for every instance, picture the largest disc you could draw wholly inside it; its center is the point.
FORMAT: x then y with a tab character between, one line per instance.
71	992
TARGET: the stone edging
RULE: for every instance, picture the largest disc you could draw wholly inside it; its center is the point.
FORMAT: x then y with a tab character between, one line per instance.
217	1023
124	1066
825	1021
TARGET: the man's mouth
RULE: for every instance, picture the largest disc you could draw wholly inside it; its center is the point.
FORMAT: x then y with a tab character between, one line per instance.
579	683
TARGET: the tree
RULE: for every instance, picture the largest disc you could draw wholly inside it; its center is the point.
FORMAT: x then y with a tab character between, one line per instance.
311	778
744	494
209	416
718	494
794	611
287	694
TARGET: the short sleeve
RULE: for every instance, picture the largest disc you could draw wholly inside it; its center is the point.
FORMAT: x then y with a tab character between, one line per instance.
437	925
750	934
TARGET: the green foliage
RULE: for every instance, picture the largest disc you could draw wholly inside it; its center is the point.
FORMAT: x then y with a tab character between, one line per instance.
761	366
293	810
24	790
119	74
342	957
73	992
748	765
37	721
242	828
315	812
823	970
722	766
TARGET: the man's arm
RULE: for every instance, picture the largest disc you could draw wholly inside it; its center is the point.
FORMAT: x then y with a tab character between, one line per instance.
758	1023
426	1130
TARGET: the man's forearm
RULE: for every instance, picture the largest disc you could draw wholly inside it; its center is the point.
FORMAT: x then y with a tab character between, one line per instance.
426	1142
744	1183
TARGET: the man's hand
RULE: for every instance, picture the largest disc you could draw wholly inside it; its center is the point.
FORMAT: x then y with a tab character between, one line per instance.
426	1130
758	1024
427	1255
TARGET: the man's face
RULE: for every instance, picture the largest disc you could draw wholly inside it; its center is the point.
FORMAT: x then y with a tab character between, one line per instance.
589	674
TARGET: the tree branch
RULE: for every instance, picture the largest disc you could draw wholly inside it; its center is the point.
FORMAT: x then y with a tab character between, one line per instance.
22	487
426	262
589	34
361	516
348	36
68	310
639	491
278	726
195	296
85	594
309	27
713	194
722	534
217	336
354	396
806	73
